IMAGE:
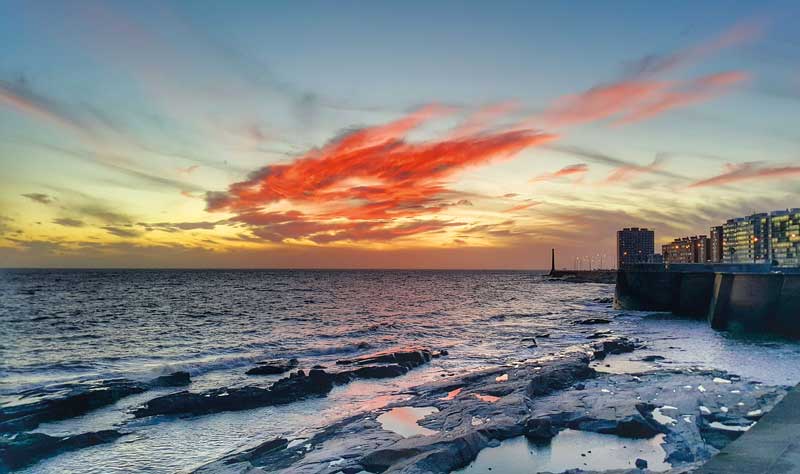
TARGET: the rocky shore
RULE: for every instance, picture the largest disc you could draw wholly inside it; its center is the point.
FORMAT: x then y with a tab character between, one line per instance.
692	413
695	412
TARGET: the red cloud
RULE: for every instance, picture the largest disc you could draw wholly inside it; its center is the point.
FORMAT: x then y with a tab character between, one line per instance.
369	177
748	172
572	170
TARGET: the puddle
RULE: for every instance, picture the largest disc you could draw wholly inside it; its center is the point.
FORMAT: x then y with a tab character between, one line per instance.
621	365
403	421
487	398
452	394
520	456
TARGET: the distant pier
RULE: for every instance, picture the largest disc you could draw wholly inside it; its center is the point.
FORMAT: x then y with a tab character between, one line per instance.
750	298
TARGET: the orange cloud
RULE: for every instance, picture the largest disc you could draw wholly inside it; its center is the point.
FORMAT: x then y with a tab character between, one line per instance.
572	170
748	172
370	176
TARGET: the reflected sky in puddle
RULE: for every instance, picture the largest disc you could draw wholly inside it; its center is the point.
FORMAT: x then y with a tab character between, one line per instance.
602	452
486	398
452	394
403	421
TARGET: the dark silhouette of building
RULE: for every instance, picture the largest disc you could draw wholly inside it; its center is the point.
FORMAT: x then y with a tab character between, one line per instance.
635	245
715	244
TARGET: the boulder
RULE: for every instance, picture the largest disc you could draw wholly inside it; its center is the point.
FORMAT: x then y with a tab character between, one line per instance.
24	449
558	375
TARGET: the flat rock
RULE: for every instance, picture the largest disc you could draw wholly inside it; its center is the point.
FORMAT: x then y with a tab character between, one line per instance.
67	401
297	386
593	321
24	449
273	367
409	357
286	390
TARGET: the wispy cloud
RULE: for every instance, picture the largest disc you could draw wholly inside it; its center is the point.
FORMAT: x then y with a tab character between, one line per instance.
521	207
577	170
644	92
69	222
627	173
750	171
40	197
20	97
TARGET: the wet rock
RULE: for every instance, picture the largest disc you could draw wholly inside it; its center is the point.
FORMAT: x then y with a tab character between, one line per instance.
297	386
599	334
652	358
24	449
412	357
378	371
273	367
175	379
559	375
606	300
540	429
67	401
440	353
594	321
640	463
614	345
530	341
261	450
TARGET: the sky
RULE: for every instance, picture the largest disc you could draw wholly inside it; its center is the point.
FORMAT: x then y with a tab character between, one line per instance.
386	134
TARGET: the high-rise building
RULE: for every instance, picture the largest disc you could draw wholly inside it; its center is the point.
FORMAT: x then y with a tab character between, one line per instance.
746	239
687	250
635	245
784	237
715	244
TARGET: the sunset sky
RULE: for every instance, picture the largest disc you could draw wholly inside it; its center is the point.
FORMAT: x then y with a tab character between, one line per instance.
386	134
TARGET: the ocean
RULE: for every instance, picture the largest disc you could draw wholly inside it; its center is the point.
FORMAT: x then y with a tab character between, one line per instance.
61	327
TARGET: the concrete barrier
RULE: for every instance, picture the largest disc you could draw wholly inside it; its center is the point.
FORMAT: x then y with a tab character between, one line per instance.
646	290
787	317
755	299
752	302
695	290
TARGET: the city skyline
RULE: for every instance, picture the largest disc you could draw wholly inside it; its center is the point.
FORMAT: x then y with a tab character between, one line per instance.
156	134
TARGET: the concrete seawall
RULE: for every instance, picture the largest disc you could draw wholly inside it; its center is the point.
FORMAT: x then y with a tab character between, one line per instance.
732	297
